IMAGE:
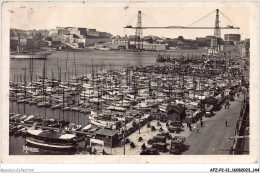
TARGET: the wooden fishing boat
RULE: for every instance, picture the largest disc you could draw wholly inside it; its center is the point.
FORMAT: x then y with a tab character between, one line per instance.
51	139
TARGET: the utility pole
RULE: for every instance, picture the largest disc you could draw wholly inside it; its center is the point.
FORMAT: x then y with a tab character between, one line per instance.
124	128
139	117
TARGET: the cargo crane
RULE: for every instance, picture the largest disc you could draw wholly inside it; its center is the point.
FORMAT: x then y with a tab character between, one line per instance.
215	44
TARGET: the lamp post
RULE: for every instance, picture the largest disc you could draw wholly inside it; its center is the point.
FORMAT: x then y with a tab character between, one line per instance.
139	116
124	128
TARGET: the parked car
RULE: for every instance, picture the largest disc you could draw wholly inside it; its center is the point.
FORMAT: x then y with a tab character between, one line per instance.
209	113
156	139
160	146
173	129
176	124
177	145
150	151
166	134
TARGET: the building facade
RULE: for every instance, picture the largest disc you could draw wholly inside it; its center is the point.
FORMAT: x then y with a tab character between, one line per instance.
154	47
232	37
120	42
244	48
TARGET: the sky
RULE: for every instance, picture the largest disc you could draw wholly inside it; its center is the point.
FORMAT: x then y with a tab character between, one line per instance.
112	17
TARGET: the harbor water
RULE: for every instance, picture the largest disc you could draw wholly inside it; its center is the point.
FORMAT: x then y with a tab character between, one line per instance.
85	61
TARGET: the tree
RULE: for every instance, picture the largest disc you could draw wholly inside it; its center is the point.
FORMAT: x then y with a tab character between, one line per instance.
150	40
180	38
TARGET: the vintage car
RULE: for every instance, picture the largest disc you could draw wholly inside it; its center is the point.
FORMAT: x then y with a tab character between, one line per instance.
177	145
156	139
166	134
150	151
174	129
160	146
176	124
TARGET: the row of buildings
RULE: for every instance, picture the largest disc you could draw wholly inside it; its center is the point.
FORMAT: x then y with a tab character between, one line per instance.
231	44
80	38
59	38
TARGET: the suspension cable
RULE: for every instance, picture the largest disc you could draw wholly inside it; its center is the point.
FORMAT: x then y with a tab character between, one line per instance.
201	18
152	19
228	19
135	16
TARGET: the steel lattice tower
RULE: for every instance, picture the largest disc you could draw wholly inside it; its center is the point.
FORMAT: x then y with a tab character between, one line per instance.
139	33
216	33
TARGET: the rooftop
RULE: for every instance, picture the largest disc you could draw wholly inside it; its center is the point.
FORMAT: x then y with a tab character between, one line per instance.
107	132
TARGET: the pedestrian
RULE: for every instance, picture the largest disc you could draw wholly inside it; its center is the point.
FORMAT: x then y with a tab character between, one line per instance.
231	150
90	150
226	124
95	151
86	142
77	149
201	123
190	128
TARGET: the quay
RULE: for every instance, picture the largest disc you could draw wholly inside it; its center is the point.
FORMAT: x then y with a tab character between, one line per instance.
213	137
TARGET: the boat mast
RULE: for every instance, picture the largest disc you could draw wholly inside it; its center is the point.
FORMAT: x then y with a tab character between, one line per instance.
66	66
44	89
74	64
24	89
63	103
18	85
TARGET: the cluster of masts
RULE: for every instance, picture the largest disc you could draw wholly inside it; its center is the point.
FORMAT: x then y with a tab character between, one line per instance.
109	96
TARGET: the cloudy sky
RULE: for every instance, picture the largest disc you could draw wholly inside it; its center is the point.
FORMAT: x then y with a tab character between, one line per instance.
112	17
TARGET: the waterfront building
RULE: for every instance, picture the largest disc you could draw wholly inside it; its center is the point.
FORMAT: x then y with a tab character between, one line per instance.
110	137
175	112
92	41
229	49
232	37
63	32
101	45
13	43
79	36
71	40
154	47
104	35
244	48
92	33
75	31
120	42
82	31
27	43
53	32
131	42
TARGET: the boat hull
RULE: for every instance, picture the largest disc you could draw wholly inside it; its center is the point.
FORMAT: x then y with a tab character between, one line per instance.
50	146
24	56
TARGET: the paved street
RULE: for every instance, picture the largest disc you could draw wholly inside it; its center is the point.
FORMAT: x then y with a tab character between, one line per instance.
213	136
